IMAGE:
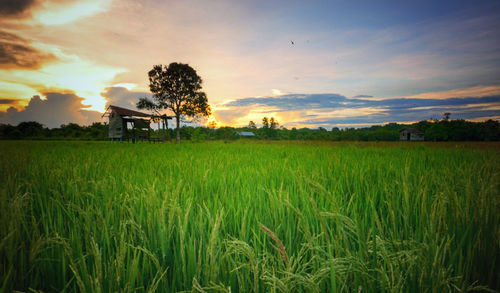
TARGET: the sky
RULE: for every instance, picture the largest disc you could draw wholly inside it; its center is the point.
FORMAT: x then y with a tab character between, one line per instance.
306	63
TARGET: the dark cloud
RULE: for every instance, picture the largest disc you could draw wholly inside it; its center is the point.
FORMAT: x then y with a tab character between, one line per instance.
15	7
19	56
16	52
326	101
56	109
293	101
23	8
8	101
387	110
363	96
120	96
403	117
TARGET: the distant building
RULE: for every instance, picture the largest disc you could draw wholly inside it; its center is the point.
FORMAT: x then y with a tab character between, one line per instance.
411	134
126	124
245	134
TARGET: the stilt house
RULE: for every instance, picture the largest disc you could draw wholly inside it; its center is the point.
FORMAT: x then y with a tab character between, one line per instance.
126	124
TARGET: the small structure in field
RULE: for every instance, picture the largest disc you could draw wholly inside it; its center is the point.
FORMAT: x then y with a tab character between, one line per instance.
411	134
245	134
126	124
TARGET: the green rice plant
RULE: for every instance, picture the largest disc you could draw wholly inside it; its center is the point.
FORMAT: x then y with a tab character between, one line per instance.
249	217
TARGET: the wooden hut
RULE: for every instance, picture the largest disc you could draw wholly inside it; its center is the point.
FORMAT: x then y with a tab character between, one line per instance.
126	124
411	134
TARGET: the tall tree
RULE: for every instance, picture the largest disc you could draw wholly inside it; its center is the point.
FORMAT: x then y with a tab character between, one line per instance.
176	88
265	122
273	123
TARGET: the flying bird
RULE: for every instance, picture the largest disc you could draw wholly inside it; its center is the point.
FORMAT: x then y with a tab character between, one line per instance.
292	42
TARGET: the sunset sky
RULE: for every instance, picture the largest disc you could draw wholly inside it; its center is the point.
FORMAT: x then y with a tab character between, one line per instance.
351	63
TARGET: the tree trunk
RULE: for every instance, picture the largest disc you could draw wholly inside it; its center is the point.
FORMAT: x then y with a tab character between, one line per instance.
178	138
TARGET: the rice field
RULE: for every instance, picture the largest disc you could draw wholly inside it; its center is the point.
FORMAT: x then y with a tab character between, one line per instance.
249	217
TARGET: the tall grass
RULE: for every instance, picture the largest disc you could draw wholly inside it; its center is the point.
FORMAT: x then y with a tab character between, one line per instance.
249	217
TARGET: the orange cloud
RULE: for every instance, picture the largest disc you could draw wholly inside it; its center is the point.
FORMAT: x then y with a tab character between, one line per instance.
17	53
14	103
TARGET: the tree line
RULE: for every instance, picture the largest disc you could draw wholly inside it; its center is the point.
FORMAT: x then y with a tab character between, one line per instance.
442	130
70	131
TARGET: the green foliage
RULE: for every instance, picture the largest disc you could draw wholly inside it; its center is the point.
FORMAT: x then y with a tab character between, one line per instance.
198	135
31	129
248	217
225	133
35	130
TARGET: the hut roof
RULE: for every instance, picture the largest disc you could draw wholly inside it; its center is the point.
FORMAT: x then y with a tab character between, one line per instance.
245	133
127	112
132	113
